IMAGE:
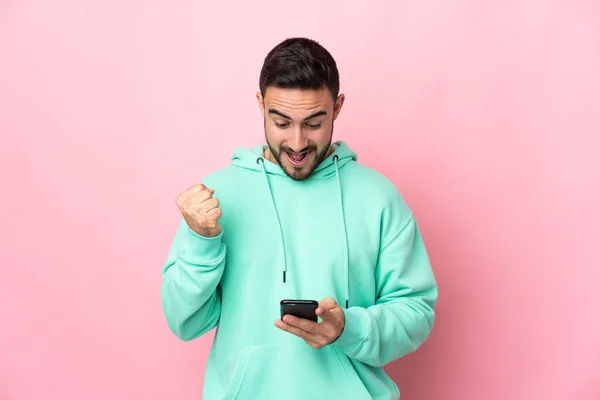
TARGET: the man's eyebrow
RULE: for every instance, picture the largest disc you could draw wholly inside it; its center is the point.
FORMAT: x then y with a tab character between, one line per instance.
282	115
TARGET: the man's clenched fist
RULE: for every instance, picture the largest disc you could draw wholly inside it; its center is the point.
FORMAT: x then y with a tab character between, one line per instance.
200	210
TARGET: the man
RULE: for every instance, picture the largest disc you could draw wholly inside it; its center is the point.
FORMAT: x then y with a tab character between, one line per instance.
299	218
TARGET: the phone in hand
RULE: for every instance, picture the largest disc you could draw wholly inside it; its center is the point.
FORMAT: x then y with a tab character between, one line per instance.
300	308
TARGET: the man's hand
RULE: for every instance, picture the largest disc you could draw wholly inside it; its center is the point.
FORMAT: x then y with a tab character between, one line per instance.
200	210
316	334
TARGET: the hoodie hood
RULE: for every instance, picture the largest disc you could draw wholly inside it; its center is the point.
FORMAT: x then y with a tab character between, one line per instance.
249	159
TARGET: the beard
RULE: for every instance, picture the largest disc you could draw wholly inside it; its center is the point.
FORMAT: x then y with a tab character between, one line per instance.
301	173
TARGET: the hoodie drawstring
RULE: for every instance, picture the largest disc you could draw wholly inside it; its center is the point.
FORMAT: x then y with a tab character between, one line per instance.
261	161
346	248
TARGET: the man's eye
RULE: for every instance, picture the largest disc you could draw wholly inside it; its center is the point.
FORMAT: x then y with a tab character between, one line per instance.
317	126
282	126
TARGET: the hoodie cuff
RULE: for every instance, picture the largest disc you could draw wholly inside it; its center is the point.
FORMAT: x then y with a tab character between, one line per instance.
201	249
356	328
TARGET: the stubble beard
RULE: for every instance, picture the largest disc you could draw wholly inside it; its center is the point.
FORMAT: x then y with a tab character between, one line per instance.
300	174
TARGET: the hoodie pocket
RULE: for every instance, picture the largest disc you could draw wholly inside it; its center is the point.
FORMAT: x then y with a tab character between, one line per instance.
294	372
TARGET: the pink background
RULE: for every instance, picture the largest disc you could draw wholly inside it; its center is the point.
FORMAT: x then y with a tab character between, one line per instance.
486	115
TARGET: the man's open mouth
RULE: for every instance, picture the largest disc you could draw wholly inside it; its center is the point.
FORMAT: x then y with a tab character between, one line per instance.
298	158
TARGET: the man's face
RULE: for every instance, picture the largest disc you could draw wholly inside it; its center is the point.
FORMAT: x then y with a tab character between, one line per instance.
298	127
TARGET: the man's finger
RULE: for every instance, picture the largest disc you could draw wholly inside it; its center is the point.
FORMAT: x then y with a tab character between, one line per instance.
195	189
192	190
328	303
304	324
201	196
324	314
292	329
214	214
314	340
325	306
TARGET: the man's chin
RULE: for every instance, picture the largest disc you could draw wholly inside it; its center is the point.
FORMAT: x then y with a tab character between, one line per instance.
299	174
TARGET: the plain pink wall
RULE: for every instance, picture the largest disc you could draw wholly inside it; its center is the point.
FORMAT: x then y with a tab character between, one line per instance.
486	115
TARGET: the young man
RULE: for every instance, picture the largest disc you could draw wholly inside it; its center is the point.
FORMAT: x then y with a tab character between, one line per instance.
299	218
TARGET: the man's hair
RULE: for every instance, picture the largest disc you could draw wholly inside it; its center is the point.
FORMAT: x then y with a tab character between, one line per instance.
300	63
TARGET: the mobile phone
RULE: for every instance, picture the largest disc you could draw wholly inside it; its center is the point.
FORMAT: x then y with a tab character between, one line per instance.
300	308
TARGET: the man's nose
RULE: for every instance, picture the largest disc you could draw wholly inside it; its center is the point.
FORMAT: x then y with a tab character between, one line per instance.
298	142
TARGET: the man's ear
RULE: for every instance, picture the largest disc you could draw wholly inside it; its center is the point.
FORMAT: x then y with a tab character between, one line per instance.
337	107
261	103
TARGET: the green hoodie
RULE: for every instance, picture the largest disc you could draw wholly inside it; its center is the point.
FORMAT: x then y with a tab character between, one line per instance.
345	232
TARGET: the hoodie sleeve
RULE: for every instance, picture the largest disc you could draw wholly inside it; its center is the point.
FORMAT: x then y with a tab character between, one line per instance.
403	314
190	278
